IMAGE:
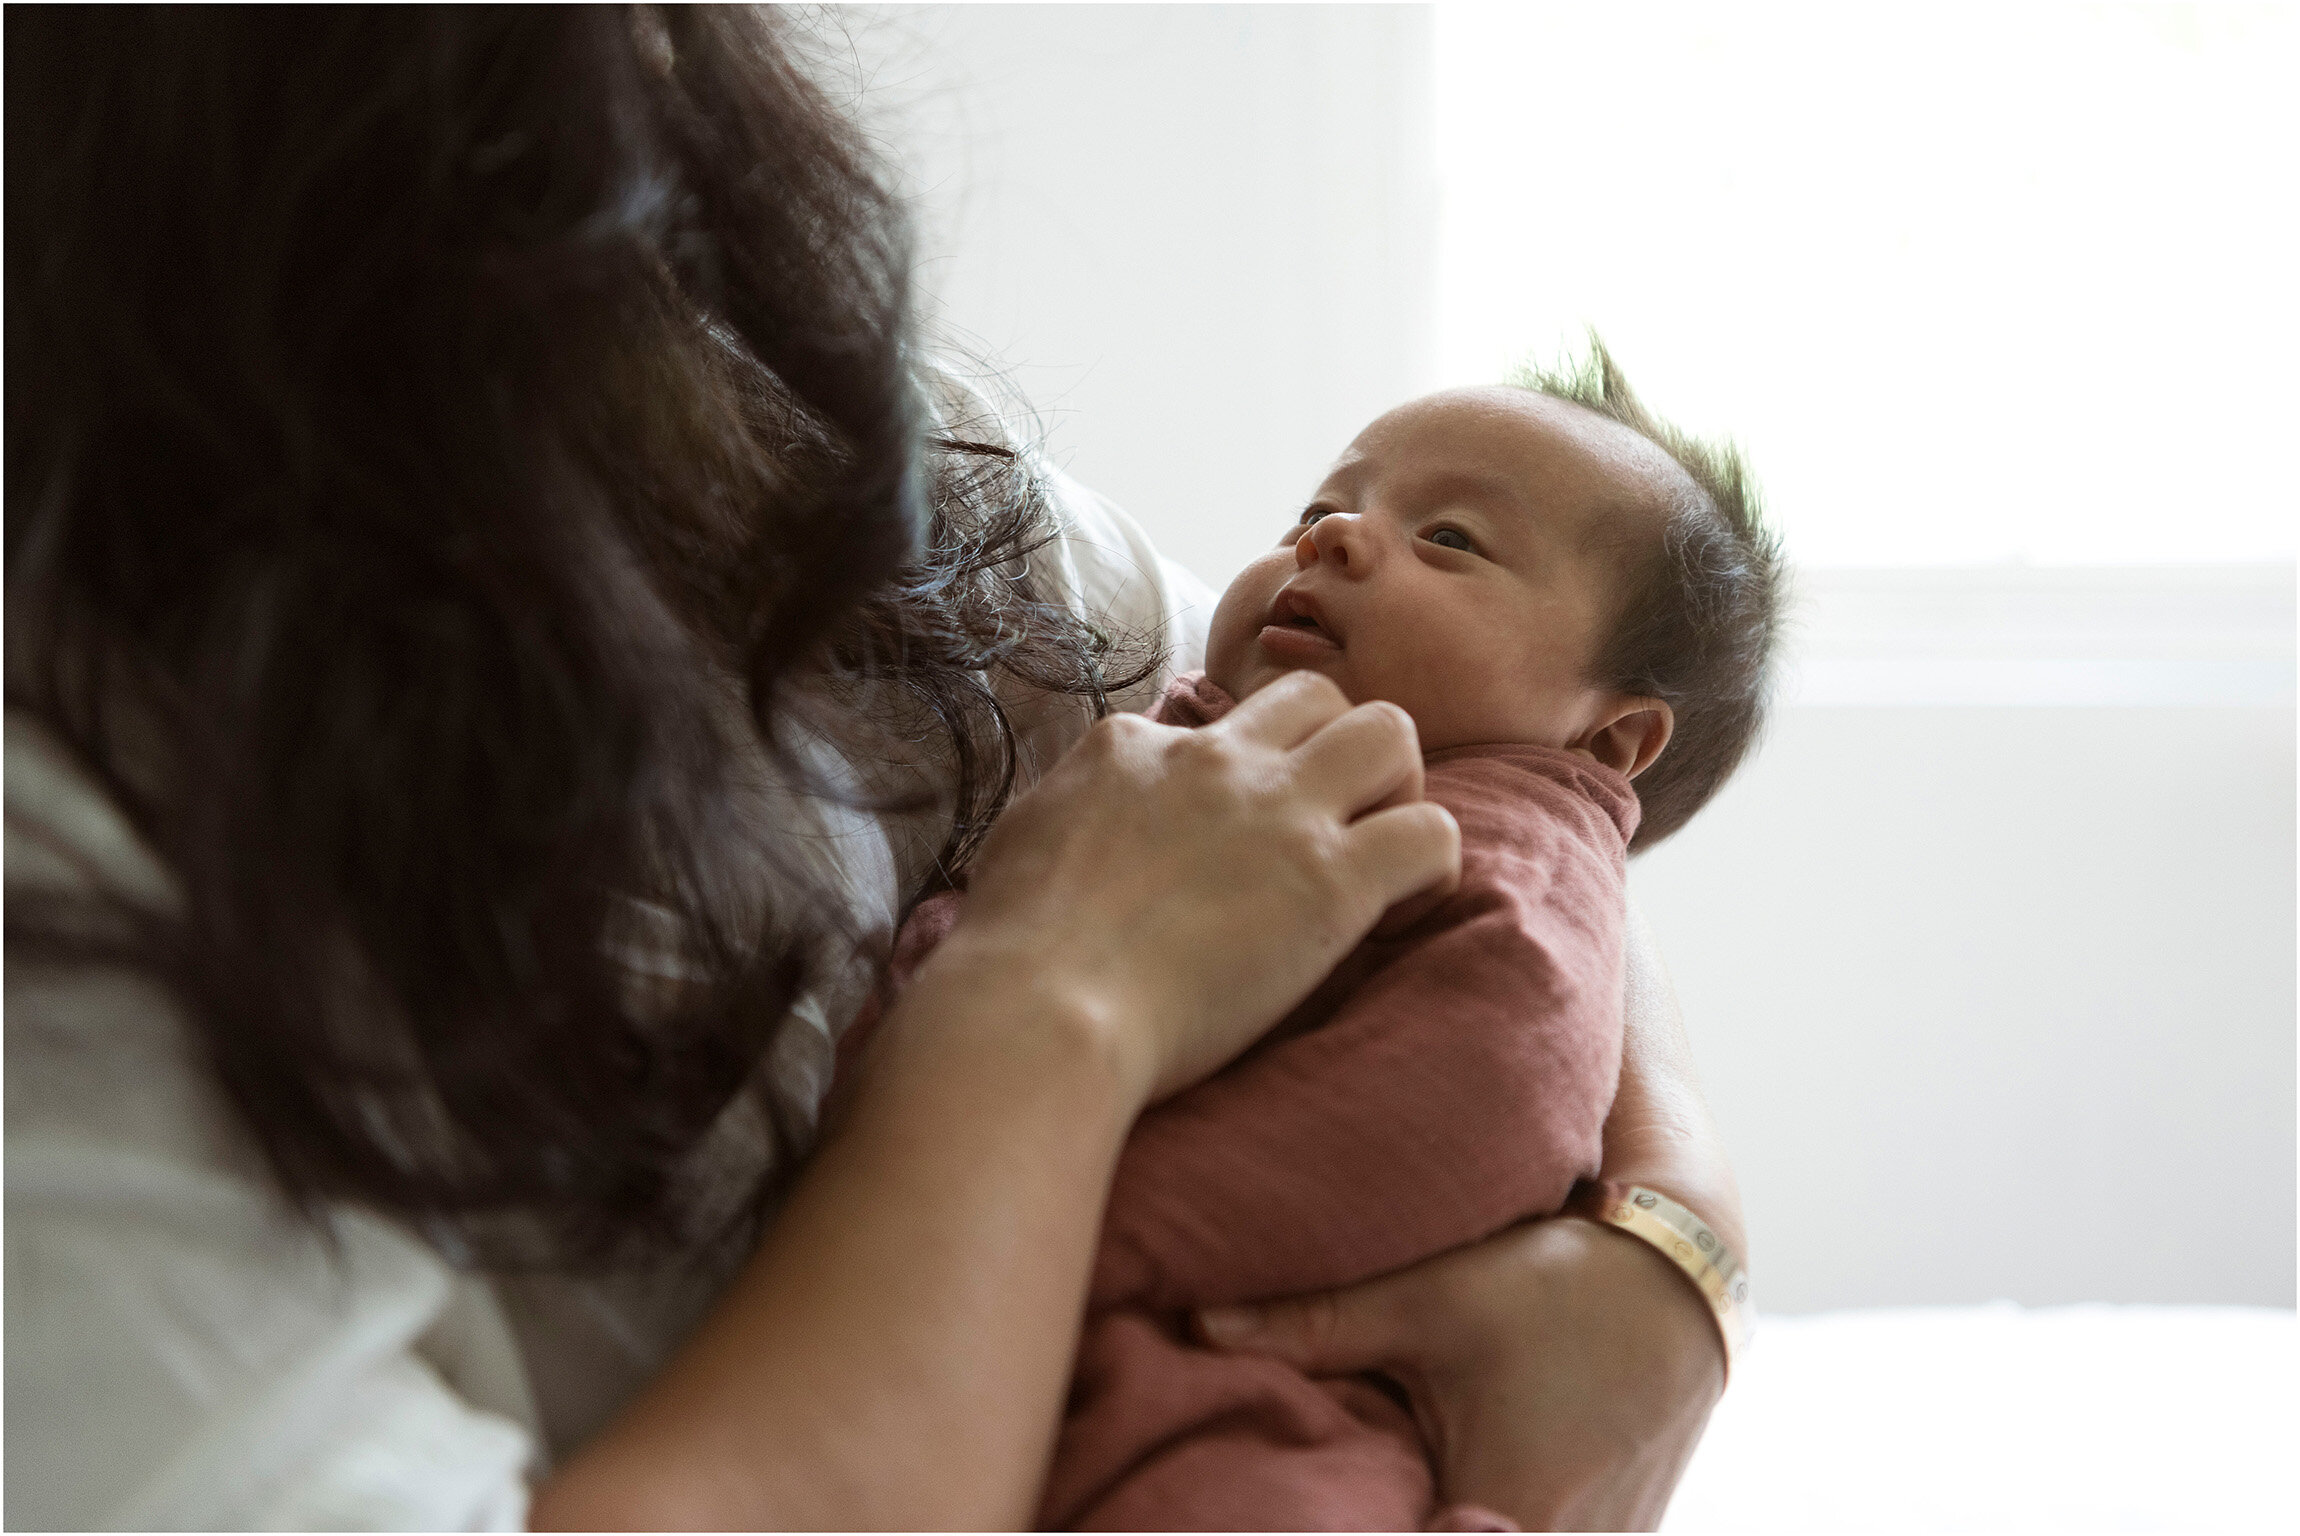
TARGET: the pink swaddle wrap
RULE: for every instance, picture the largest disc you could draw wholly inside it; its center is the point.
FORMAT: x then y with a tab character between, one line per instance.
1450	1077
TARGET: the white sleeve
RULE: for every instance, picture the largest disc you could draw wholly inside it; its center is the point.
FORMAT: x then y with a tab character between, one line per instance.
1120	574
184	1353
1105	568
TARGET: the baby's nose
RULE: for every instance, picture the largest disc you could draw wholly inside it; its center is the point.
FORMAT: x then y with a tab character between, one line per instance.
1337	538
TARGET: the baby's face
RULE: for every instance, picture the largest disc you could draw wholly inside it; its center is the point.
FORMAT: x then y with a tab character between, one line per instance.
1461	560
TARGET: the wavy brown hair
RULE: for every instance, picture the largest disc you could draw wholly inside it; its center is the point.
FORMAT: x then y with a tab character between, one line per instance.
440	443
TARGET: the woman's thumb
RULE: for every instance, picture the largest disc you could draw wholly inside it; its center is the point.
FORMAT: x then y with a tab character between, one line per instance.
1331	1333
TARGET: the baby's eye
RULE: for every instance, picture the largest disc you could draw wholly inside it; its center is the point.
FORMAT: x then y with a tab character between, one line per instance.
1452	538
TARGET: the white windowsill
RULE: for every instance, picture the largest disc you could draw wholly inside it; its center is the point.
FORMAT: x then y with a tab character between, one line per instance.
2037	635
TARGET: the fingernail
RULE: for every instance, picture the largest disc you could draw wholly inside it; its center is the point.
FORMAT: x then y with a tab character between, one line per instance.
1228	1326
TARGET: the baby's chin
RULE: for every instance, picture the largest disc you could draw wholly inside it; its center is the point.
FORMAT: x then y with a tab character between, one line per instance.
1241	679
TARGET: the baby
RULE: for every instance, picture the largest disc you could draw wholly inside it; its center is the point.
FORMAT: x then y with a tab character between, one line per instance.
1567	596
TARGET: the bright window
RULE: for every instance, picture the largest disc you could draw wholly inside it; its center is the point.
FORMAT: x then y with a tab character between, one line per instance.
1971	286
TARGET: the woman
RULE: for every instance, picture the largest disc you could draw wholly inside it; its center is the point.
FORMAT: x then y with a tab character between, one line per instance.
496	629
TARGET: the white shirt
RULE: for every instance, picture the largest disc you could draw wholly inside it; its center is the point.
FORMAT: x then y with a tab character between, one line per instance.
183	1352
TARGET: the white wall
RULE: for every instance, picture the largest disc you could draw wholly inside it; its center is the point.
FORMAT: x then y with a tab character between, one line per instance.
1988	958
1990	953
1198	237
1998	1002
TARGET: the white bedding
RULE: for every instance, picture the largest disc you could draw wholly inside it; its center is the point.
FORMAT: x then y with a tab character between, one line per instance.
2084	1418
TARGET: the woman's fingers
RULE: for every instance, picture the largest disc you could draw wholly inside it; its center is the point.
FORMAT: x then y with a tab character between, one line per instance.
1407	849
1193	886
1331	1333
1366	758
1286	713
1351	758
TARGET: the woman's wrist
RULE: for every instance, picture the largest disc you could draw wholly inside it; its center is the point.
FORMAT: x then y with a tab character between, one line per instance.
1689	1168
1711	1268
1014	1000
1702	1183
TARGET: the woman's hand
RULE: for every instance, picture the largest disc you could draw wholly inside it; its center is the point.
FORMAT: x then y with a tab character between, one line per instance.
1562	1371
1191	886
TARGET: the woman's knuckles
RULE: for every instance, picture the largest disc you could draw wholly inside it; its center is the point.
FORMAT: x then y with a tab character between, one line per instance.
1111	730
1392	724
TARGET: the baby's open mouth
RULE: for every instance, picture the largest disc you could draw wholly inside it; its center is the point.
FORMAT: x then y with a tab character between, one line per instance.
1295	629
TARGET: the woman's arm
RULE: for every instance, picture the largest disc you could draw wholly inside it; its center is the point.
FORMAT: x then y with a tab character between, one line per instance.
1660	1133
895	1354
1563	1371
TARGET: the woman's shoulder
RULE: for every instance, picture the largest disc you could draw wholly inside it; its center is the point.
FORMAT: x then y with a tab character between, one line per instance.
185	1350
1111	568
1101	562
64	832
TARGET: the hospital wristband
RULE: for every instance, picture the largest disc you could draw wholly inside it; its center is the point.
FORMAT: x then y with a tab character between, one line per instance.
1686	1241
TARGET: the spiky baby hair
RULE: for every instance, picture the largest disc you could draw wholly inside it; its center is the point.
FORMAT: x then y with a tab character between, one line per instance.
1700	612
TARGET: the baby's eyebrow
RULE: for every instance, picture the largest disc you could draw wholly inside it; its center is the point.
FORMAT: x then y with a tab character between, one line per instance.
1492	493
1344	476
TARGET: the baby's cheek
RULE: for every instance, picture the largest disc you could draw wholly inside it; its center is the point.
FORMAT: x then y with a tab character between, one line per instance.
1226	662
1230	638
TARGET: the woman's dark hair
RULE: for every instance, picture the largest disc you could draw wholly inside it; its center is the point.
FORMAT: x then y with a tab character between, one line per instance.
438	442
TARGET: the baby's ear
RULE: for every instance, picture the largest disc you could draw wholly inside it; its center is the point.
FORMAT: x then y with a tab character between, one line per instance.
1629	734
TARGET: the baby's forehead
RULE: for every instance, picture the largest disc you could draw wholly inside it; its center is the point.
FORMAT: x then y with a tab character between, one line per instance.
1567	461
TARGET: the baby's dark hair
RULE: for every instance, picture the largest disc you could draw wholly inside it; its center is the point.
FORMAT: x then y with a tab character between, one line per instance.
1699	613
